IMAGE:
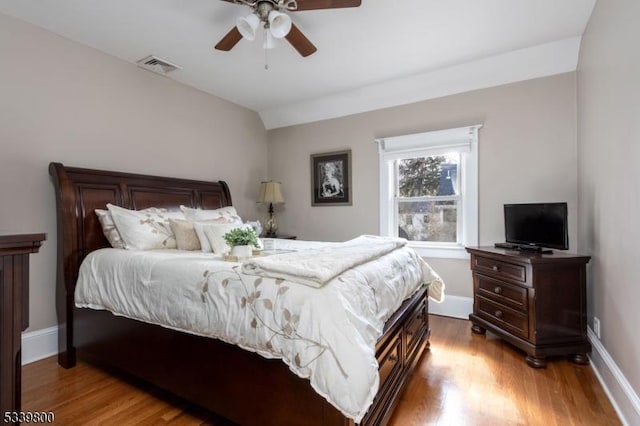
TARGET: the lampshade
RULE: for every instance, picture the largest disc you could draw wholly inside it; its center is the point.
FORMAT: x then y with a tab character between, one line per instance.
248	25
279	24
270	193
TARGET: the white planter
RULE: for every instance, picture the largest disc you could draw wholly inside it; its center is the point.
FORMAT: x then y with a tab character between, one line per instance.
241	251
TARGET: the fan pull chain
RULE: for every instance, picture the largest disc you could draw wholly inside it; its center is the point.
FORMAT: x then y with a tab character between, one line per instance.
266	49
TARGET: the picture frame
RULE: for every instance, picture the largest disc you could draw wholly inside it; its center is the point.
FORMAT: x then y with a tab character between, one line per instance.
331	178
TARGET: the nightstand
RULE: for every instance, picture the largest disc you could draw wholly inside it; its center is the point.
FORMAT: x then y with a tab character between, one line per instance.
537	302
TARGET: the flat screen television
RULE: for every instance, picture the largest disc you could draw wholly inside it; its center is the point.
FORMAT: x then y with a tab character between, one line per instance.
537	225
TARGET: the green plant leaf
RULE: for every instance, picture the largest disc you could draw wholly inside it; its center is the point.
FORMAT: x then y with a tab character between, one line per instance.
242	237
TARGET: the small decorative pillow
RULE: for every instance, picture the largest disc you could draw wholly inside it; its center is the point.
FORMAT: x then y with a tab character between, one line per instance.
228	213
109	228
145	229
215	235
186	237
198	227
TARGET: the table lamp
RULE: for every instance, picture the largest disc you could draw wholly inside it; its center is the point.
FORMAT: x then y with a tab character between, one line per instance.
270	193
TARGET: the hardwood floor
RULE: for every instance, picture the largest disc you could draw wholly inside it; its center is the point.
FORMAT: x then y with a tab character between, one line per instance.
469	379
465	379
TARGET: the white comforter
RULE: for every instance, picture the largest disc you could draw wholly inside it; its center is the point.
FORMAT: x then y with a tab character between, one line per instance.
325	334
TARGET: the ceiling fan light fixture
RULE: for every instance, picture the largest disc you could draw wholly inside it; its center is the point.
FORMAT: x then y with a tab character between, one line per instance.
248	26
279	24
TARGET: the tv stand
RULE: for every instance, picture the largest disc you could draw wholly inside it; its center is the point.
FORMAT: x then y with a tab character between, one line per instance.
537	303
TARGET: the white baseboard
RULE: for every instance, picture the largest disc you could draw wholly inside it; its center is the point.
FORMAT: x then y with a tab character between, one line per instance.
39	344
453	306
624	399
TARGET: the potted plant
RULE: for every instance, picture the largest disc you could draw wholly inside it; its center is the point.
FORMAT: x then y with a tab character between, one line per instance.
241	241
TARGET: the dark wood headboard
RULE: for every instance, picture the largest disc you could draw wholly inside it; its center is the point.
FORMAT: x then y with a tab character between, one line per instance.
80	191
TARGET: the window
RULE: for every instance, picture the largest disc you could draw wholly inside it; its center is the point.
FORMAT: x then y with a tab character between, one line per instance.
429	190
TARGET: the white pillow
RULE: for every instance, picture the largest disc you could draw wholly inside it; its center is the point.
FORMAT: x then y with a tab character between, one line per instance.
228	213
215	235
145	229
109	228
197	227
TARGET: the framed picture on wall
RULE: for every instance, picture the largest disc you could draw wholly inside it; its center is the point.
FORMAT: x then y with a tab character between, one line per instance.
331	179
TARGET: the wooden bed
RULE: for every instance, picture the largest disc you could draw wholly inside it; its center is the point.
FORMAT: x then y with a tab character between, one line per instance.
212	374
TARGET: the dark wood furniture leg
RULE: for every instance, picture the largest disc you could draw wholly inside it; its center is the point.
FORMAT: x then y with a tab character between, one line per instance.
477	329
580	359
536	361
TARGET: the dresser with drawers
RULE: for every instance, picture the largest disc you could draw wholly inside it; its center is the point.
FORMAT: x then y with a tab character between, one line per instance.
14	312
537	302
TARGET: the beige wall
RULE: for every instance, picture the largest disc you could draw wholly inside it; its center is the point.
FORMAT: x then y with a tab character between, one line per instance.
527	153
60	101
608	94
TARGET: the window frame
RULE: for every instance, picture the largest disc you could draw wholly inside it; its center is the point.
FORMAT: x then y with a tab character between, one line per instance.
462	139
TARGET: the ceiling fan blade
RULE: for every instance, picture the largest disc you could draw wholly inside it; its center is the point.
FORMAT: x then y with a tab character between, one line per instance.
326	4
231	39
300	42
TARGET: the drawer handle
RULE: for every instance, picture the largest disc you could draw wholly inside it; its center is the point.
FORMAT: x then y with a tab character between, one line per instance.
497	290
393	358
495	268
498	314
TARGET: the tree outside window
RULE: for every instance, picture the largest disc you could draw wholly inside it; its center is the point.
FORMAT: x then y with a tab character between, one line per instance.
428	198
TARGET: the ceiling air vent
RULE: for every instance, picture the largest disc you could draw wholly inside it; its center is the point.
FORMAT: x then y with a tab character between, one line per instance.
157	65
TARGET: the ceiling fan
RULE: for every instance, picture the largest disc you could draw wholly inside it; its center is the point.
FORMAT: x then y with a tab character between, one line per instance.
269	14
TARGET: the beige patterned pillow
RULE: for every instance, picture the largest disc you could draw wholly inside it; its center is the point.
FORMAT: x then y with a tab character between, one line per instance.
186	237
145	229
109	228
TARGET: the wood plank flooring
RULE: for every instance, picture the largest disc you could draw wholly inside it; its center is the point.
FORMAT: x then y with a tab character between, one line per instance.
464	379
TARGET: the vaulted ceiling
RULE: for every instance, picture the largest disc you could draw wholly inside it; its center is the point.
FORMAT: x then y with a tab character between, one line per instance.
380	54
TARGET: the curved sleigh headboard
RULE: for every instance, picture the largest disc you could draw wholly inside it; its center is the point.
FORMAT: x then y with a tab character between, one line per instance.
80	191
